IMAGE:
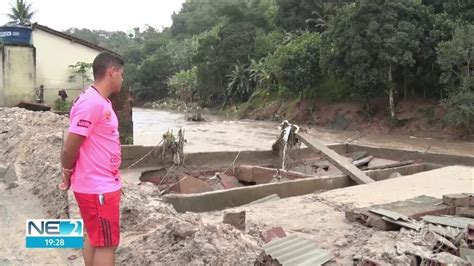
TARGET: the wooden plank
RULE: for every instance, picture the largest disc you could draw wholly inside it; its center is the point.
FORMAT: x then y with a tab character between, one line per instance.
337	160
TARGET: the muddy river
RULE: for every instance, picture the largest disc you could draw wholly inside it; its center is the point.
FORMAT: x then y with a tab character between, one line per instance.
219	134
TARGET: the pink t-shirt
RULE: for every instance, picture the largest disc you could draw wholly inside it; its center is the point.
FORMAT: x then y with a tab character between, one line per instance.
97	166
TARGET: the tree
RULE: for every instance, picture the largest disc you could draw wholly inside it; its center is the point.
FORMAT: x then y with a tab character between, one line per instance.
21	13
241	83
183	85
371	42
81	70
298	62
456	57
460	106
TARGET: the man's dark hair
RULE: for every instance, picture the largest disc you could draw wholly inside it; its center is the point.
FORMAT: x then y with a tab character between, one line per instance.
103	61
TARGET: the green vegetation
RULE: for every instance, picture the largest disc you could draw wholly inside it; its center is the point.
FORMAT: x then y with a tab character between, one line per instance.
62	106
21	12
241	52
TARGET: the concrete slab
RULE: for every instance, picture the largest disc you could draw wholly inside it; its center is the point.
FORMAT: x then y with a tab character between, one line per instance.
337	160
434	183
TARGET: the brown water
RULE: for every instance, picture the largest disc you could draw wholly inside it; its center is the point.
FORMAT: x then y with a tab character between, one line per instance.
218	134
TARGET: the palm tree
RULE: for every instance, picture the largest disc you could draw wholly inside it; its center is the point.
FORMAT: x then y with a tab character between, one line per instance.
21	13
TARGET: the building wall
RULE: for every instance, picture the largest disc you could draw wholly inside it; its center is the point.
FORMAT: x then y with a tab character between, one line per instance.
2	94
18	74
54	55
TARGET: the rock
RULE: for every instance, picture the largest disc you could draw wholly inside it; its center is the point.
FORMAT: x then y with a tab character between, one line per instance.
12	185
72	257
3	171
236	219
181	229
10	176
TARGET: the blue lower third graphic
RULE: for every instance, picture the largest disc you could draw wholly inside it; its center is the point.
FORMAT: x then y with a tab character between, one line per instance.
54	242
54	233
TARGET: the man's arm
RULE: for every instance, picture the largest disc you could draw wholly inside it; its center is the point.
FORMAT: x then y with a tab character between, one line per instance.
68	157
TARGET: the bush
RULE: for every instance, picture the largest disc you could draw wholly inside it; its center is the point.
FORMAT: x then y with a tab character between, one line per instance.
460	107
62	106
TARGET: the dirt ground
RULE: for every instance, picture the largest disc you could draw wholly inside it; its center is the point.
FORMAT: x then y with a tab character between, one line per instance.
152	232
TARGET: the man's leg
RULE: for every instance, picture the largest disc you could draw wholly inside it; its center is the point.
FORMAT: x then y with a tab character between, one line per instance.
88	252
104	256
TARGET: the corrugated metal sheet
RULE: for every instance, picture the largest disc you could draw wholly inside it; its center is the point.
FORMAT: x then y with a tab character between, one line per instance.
295	250
389	214
459	222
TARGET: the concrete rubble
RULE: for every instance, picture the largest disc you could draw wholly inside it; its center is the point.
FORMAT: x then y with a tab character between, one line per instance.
387	222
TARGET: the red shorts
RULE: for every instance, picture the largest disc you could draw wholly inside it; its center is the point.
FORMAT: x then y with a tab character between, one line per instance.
101	215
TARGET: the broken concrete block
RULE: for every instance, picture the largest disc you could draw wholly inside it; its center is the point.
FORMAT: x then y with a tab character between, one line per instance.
10	176
244	173
357	155
262	175
236	219
191	184
467	212
271	234
228	181
440	243
459	200
256	174
363	161
470	235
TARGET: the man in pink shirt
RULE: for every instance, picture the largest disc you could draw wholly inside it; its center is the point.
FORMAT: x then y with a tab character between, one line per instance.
91	159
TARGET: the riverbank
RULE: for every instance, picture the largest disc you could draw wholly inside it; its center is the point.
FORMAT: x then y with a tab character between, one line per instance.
417	118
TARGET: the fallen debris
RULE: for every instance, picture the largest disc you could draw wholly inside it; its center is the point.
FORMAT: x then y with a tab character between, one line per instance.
459	222
459	200
392	165
272	234
467	212
236	219
440	243
467	254
399	213
189	184
228	181
294	250
337	160
363	161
